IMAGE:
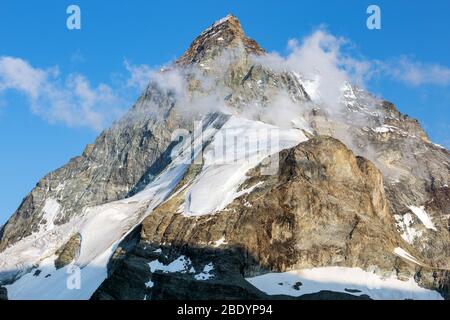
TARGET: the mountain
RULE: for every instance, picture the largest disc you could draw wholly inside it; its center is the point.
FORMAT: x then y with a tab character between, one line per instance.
231	178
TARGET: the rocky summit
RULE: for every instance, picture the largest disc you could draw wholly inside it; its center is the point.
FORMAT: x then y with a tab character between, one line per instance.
232	178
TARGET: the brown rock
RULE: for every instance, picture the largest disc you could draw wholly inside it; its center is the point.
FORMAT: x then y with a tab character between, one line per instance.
68	252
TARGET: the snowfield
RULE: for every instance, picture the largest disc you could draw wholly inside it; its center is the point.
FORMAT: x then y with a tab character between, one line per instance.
404	225
339	279
423	216
239	146
101	228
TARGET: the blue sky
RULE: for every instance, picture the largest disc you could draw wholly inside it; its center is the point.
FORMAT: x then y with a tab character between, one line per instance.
35	141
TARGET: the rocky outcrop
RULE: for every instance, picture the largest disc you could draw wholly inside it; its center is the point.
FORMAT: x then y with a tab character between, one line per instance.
227	281
435	279
415	170
223	34
68	252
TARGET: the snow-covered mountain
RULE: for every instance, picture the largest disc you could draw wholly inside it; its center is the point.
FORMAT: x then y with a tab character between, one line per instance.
232	178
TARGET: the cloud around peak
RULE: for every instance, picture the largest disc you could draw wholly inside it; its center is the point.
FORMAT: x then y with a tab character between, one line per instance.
74	101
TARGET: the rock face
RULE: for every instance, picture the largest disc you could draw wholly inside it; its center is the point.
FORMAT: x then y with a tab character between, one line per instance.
367	190
223	34
3	294
416	172
107	170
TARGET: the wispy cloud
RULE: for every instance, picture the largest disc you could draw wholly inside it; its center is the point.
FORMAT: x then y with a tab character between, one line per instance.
20	75
321	57
70	100
325	54
74	101
415	73
140	75
77	57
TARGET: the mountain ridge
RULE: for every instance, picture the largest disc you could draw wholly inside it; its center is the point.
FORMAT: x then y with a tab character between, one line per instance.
127	197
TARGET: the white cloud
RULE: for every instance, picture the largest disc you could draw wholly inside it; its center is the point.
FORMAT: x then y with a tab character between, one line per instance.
139	75
416	73
72	101
326	55
320	57
168	79
20	75
77	103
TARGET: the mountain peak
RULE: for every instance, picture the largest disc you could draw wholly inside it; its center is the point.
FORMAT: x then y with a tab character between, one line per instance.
229	18
224	33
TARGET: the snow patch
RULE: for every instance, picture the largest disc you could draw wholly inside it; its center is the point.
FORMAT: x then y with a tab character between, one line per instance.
340	279
181	264
206	274
384	129
423	216
219	242
405	255
404	225
49	213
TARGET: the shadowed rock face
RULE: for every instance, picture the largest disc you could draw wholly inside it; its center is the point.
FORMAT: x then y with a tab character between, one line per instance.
132	279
